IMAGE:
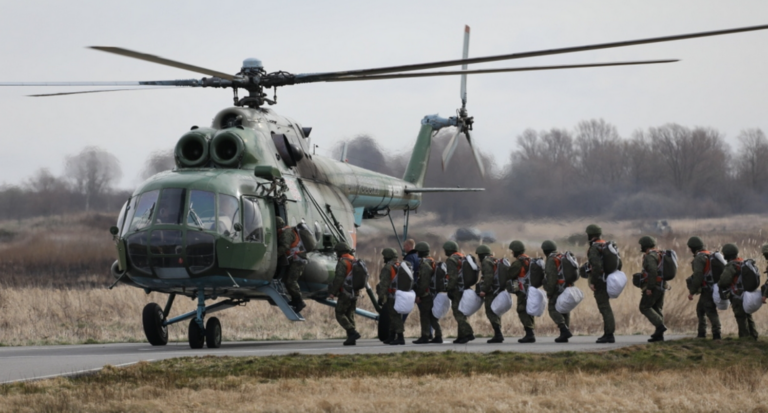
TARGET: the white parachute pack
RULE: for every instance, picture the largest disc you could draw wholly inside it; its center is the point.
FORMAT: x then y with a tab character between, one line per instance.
721	304
441	305
404	301
470	302
568	300
537	302
615	283
752	300
502	303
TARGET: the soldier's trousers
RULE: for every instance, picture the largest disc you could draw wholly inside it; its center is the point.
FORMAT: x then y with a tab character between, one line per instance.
492	317
426	318
558	318
745	322
345	311
604	305
464	328
652	306
706	308
526	319
291	278
395	318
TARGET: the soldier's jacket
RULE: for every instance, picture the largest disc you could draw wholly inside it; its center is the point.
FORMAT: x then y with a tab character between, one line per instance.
595	258
452	267
489	271
426	267
385	277
651	270
730	273
515	266
551	285
698	265
286	238
343	267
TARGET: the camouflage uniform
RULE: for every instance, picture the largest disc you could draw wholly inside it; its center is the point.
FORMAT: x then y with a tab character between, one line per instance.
526	319
651	306
706	307
383	290
744	320
596	275
297	262
426	300
554	289
491	288
346	300
455	294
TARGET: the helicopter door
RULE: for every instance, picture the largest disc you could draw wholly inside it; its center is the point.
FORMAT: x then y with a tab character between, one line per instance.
246	249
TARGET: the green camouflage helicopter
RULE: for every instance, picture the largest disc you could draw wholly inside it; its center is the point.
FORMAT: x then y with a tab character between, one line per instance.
207	229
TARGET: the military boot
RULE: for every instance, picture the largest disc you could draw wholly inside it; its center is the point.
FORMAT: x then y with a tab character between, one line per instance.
436	340
606	338
297	304
565	334
658	335
352	337
497	336
390	338
421	340
702	334
716	336
399	340
529	336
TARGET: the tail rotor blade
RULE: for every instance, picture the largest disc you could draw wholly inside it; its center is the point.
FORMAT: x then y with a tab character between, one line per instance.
451	148
476	153
465	55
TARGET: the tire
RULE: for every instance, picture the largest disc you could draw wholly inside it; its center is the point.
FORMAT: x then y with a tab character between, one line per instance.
213	333
383	325
196	335
152	319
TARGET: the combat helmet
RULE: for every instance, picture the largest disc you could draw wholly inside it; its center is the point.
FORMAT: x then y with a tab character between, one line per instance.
594	230
389	253
548	246
765	249
280	222
450	246
647	242
517	247
730	250
695	243
421	247
483	250
342	247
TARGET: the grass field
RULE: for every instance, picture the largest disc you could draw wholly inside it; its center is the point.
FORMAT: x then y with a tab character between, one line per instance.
685	375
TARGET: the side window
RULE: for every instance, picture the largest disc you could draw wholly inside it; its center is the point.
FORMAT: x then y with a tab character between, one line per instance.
142	214
229	215
202	210
121	217
253	227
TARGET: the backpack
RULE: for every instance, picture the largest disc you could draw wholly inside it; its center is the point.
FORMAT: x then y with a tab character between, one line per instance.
536	272
567	268
359	275
468	271
668	264
439	278
501	274
307	237
750	276
404	277
611	257
716	267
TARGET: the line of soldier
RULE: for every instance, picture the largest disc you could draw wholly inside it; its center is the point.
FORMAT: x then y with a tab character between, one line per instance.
652	285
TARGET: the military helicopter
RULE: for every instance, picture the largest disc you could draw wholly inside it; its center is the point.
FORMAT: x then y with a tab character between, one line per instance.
207	229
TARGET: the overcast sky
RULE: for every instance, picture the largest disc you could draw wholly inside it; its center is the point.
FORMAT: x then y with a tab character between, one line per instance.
720	81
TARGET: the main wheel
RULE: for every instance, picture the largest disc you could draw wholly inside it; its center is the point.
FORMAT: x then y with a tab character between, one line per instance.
152	318
196	335
383	324
213	333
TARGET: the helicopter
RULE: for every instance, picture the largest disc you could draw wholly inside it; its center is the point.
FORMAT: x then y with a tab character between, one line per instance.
207	229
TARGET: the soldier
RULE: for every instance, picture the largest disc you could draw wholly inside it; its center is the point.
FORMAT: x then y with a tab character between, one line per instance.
424	297
386	290
597	283
702	283
290	246
489	288
456	290
411	255
554	286
520	267
653	288
347	300
765	286
728	285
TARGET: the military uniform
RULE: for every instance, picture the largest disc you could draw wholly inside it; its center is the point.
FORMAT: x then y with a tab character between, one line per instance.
727	282
455	292
490	287
651	306
706	307
521	289
346	300
387	289
553	287
426	302
596	274
290	246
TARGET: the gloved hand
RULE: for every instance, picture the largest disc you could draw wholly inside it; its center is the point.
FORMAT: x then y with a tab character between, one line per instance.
382	300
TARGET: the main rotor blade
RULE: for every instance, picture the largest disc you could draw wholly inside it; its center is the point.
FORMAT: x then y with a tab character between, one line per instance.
484	71
465	56
476	153
451	148
93	91
181	82
319	77
162	61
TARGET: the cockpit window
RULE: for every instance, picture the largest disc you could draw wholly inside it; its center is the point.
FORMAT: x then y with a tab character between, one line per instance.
142	214
121	217
253	228
170	208
229	215
202	210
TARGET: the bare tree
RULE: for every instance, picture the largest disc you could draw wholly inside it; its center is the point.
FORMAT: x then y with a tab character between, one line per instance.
750	163
159	161
600	152
92	172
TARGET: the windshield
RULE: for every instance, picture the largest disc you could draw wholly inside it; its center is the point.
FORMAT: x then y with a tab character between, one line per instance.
229	215
202	210
142	214
170	207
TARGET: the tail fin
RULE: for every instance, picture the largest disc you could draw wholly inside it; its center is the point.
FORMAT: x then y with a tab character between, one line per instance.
417	166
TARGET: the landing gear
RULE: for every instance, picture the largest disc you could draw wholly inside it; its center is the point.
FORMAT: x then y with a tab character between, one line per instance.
152	318
196	334
213	333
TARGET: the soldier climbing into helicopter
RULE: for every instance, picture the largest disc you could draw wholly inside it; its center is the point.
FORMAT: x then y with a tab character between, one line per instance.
291	247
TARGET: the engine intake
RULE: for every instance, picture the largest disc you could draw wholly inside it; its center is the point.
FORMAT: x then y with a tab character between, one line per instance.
227	148
192	149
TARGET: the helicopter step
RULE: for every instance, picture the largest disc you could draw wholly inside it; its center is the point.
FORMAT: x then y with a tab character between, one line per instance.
358	311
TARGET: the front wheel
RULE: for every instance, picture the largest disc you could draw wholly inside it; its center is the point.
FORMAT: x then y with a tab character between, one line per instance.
152	319
196	334
213	333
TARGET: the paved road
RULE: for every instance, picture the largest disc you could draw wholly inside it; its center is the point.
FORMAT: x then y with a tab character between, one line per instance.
30	363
